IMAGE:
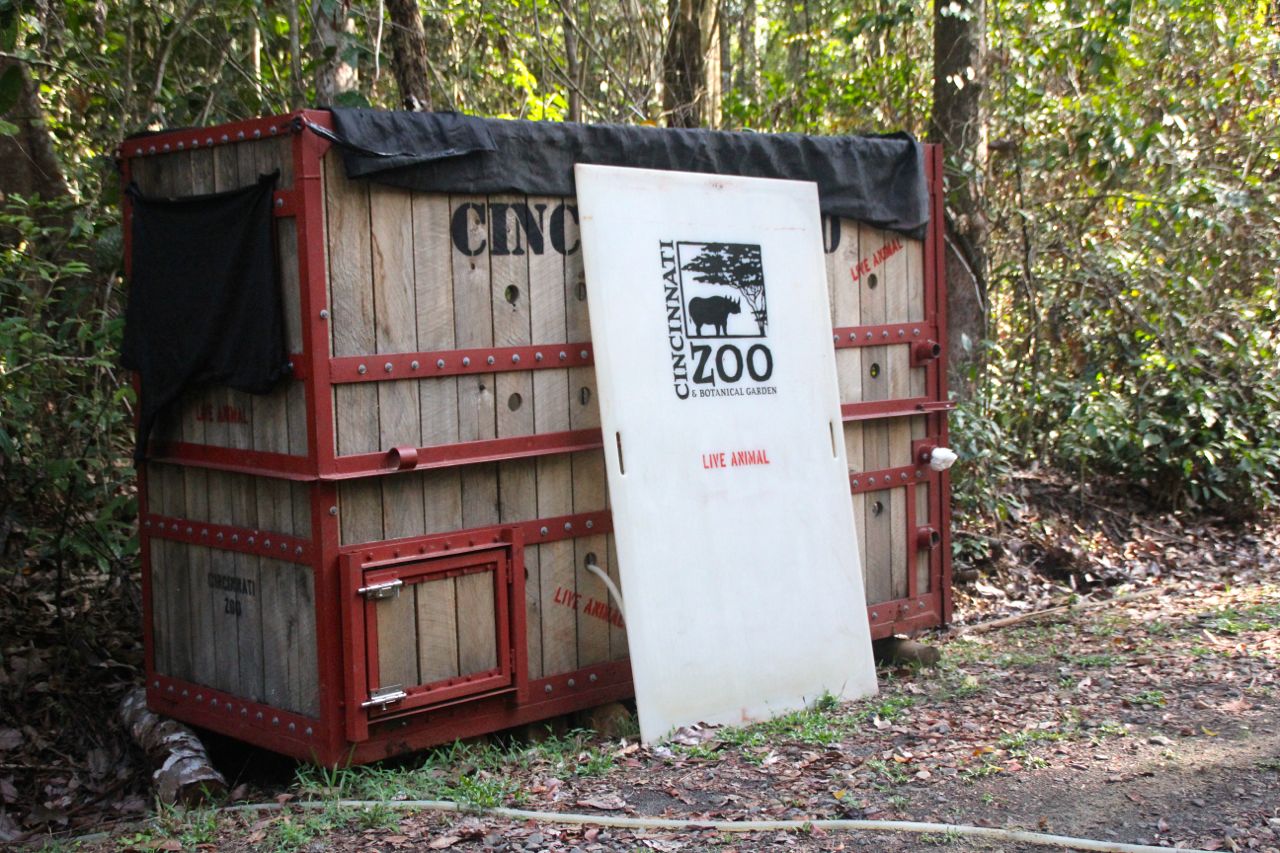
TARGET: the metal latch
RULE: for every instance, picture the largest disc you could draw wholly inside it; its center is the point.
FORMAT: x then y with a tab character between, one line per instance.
388	589
384	696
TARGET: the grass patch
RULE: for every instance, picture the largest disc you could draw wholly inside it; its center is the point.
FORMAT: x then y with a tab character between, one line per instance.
1148	698
1100	660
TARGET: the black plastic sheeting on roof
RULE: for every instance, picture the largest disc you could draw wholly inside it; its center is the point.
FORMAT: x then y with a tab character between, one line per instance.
878	180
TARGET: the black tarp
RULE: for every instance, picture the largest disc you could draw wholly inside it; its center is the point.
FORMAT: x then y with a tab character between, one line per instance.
204	304
878	180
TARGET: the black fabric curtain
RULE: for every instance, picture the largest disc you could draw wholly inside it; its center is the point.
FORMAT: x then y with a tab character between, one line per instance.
204	301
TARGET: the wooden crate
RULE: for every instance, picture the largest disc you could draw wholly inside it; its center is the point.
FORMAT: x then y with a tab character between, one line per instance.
390	550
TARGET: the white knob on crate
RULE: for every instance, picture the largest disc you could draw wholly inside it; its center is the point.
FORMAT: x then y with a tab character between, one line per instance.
942	458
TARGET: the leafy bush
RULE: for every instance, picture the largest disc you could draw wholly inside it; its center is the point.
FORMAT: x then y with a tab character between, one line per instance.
65	477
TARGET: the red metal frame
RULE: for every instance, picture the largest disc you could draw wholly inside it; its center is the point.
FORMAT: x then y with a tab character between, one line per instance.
439	715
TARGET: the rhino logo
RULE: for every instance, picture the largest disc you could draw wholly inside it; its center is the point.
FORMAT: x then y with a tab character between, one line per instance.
716	279
713	311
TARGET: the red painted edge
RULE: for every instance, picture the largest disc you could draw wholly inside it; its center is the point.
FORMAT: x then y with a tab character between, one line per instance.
469	453
885	334
383	367
226	537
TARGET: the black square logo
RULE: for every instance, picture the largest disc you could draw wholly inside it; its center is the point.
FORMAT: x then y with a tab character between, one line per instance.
722	287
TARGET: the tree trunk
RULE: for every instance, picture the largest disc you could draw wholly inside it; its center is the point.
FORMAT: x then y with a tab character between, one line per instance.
298	87
183	773
724	32
28	163
334	75
572	66
959	123
686	73
409	54
748	64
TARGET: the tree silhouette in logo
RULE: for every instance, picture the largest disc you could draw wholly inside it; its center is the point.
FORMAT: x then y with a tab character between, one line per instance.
735	265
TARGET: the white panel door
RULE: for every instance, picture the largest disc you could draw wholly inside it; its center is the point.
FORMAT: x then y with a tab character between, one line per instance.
727	477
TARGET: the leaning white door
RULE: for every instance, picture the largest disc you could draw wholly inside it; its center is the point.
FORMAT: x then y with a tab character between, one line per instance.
726	463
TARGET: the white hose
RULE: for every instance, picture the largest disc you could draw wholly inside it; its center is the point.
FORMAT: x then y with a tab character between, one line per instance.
660	823
608	582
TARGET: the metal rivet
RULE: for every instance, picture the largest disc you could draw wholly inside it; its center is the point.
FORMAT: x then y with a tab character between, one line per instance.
275	721
920	605
875	614
563	356
903	475
568	525
547	689
137	152
333	510
902	332
584	354
543	531
204	534
251	540
166	146
871	480
208	140
185	694
413	365
855	484
293	727
915	331
221	536
490	360
853	336
537	356
213	702
869	335
324	313
147	523
181	146
151	150
572	683
240	135
590	524
235	537
439	363
919	473
387	367
279	202
284	546
258	716
199	697
515	358
226	138
835	339
257	134
298	550
289	365
592	678
466	361
195	143
155	684
244	712
170	689
884	334
189	531
308	731
362	370
266	543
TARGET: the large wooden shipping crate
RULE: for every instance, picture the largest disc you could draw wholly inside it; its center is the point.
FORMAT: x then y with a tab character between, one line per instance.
390	551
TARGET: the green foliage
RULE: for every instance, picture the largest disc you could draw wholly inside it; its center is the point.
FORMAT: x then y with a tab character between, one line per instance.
65	418
1135	234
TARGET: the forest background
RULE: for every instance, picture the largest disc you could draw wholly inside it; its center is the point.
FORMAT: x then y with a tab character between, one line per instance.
1114	207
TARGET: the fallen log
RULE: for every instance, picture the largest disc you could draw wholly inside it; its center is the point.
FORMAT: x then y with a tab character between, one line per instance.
182	770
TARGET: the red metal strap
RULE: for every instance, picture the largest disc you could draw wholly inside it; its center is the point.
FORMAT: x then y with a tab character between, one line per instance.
873	409
887	478
226	537
883	335
467	453
458	362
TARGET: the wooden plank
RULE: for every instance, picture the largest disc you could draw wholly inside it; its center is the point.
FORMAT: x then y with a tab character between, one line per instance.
855	453
509	257
433	286
897	288
398	639
473	327
161	576
589	495
477	630
248	615
919	430
846	308
552	629
915	304
437	630
222	574
304	669
878	527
